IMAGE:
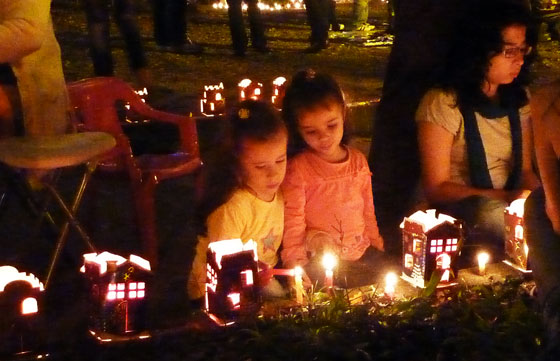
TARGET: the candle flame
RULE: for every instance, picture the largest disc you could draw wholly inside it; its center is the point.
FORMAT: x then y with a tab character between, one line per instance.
329	261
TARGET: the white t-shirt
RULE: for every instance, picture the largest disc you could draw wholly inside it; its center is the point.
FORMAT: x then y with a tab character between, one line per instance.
439	107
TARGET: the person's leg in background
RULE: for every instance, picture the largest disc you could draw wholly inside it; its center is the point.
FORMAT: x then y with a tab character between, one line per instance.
544	260
237	27
334	24
318	18
125	17
256	24
170	27
97	16
485	226
360	12
158	17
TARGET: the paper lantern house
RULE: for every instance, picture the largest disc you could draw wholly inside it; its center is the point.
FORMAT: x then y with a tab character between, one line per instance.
430	242
232	280
213	102
22	324
517	251
278	91
117	289
250	90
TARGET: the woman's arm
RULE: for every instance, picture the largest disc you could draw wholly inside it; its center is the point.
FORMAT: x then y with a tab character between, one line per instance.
435	144
546	134
529	180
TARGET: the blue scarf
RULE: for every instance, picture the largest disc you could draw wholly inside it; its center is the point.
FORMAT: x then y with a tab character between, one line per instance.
476	155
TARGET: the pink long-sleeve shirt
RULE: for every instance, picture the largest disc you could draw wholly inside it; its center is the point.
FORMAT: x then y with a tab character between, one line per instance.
335	198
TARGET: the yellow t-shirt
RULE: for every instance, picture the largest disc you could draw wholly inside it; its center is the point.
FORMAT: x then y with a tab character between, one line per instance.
246	217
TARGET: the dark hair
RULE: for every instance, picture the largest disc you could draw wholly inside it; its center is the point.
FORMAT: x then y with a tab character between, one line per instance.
254	120
308	90
479	38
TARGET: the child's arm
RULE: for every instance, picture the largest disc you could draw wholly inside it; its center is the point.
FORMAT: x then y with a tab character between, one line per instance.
293	246
371	231
197	278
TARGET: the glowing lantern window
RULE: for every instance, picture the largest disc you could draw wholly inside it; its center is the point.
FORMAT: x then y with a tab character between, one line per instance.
235	299
248	274
111	295
408	261
29	306
417	246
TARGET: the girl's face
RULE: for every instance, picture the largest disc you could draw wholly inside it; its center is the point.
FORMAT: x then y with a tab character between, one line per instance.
263	165
506	65
322	129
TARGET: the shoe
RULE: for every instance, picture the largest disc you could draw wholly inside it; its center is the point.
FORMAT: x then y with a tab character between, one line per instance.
316	47
337	27
365	27
187	48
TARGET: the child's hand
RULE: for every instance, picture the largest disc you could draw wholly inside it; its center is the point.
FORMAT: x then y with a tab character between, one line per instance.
323	243
265	274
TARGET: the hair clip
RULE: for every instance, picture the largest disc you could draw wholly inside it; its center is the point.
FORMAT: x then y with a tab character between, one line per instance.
243	113
310	74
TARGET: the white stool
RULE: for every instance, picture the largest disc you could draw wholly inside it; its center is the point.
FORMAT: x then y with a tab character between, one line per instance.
40	155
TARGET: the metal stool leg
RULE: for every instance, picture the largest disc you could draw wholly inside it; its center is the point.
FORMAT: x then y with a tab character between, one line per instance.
71	220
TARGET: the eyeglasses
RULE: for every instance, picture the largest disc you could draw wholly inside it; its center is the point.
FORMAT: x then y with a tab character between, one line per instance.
514	52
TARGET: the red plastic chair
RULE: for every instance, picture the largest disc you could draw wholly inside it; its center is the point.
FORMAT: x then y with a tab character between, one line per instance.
95	102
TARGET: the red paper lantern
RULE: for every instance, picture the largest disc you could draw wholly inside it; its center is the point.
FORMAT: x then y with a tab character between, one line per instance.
278	91
213	101
250	90
22	324
117	289
232	280
429	243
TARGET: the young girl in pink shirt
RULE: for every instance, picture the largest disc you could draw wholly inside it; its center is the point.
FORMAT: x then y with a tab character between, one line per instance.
327	190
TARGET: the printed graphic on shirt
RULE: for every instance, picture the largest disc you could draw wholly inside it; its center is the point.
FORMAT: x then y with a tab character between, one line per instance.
268	242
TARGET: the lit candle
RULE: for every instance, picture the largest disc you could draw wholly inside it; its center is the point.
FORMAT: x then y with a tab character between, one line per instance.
483	259
329	262
390	283
278	90
298	277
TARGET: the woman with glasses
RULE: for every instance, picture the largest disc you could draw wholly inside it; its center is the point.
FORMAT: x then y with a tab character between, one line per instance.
474	132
